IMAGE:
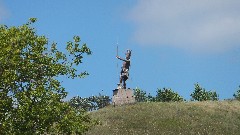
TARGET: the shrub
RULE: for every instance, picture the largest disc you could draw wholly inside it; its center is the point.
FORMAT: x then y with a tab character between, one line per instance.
200	94
150	98
90	103
100	101
82	103
140	95
167	95
237	94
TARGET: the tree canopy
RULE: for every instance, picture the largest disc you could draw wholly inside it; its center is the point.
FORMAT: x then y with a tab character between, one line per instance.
31	96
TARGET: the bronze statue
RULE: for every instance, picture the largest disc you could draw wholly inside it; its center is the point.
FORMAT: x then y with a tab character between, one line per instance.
124	74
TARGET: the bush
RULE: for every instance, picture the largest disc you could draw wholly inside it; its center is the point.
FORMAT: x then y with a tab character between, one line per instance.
100	101
90	103
140	95
82	103
237	94
200	94
167	95
150	98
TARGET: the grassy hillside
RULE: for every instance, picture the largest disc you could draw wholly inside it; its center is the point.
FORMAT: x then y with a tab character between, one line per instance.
222	117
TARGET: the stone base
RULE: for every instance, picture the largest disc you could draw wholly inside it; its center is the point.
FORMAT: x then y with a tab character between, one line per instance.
123	96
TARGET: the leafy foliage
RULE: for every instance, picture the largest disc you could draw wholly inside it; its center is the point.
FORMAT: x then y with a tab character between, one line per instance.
163	95
30	95
82	103
90	103
200	94
100	101
140	95
151	98
167	95
237	94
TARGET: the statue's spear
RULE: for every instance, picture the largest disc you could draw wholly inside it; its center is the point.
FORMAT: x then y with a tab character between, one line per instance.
117	52
117	61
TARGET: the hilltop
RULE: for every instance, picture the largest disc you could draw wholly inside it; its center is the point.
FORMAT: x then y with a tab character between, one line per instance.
152	118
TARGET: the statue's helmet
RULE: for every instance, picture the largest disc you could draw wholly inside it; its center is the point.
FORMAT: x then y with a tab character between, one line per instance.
128	54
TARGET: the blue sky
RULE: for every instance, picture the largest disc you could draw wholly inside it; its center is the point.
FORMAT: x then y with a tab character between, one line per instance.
174	44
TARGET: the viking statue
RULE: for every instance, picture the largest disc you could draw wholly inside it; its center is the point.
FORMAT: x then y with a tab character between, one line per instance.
124	74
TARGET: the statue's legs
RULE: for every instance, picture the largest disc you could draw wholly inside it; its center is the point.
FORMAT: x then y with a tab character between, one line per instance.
124	84
123	79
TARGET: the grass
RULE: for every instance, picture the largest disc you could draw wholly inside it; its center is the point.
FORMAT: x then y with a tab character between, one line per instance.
212	118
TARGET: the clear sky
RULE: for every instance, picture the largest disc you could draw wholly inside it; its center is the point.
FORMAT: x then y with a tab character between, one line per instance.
174	44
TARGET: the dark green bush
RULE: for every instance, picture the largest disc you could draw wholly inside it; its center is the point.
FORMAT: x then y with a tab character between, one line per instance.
237	94
200	94
167	95
140	95
90	103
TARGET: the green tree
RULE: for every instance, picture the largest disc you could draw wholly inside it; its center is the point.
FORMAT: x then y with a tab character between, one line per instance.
200	94
31	97
140	95
82	103
100	101
237	94
90	103
167	95
150	98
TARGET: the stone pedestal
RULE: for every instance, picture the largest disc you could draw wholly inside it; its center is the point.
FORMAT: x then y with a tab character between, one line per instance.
123	96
